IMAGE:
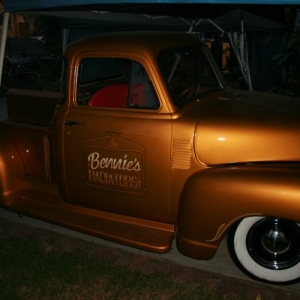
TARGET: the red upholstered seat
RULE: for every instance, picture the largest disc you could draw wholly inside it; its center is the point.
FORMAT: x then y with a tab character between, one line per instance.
114	95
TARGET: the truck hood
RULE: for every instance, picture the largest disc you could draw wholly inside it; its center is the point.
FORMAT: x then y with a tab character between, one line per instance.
244	127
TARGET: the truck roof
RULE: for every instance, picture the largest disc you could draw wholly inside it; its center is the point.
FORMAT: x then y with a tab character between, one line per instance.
133	41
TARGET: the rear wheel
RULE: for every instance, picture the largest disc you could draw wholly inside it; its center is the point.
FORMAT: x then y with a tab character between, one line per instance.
266	248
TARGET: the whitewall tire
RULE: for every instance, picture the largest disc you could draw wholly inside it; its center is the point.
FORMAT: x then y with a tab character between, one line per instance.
267	249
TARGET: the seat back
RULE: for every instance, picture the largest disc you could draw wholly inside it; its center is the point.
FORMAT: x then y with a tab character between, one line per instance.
114	95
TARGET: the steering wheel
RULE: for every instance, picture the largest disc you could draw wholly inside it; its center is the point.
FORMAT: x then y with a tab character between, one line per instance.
187	91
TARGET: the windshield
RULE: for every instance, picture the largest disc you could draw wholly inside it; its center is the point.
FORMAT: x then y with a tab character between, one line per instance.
188	73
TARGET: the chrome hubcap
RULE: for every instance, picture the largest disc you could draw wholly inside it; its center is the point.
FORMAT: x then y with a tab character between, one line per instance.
274	243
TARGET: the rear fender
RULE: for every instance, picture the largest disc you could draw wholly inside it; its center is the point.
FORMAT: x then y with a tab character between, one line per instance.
214	199
11	172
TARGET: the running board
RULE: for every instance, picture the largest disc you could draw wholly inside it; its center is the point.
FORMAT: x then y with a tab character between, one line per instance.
139	233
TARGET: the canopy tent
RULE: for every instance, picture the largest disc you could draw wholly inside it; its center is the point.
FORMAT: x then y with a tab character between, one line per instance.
185	15
21	5
236	23
110	20
241	25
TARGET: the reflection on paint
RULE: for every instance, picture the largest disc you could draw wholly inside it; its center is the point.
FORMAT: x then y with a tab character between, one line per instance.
221	139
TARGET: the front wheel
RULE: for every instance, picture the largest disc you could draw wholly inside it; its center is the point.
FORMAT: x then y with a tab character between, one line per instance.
267	249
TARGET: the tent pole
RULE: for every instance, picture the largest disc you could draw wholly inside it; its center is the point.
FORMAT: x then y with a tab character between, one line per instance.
65	38
242	20
3	41
214	24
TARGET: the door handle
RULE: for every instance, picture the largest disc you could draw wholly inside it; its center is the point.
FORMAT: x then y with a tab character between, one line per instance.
71	123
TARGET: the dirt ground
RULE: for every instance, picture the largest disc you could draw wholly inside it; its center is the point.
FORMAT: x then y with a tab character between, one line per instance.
146	265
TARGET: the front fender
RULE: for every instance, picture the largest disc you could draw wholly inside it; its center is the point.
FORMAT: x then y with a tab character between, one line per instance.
212	200
11	172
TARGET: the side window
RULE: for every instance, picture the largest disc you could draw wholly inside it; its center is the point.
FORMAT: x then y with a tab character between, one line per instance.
114	83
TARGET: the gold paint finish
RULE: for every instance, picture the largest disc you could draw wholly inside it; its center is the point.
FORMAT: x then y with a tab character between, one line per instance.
195	163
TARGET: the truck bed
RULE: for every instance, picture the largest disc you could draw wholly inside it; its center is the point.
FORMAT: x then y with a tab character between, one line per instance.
31	107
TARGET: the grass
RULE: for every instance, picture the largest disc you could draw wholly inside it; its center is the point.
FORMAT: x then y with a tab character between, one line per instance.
34	269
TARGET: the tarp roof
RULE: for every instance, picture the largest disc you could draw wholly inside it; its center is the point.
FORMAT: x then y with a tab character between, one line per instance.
231	21
114	21
22	5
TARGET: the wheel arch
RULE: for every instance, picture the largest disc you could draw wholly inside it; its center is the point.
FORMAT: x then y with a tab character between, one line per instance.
11	172
215	199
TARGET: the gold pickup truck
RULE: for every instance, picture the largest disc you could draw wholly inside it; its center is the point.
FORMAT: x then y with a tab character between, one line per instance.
144	145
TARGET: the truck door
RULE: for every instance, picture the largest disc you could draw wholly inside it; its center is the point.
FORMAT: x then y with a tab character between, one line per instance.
116	142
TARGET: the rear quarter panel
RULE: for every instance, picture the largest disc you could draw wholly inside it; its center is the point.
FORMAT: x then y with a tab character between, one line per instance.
33	145
11	171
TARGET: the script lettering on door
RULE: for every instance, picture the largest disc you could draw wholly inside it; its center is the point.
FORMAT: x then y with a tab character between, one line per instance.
114	163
